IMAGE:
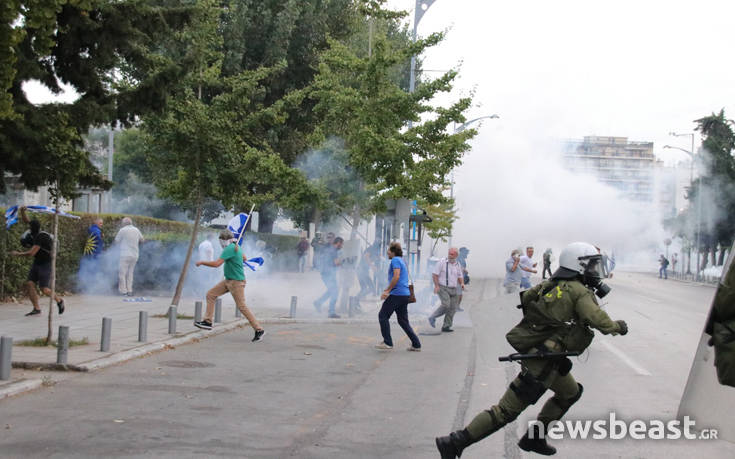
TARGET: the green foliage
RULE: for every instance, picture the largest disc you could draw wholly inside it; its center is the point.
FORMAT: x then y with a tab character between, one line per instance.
443	217
360	101
717	184
104	51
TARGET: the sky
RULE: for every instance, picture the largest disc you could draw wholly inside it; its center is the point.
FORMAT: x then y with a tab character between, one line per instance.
555	70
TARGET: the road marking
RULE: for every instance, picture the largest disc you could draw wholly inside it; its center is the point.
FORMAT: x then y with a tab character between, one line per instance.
624	357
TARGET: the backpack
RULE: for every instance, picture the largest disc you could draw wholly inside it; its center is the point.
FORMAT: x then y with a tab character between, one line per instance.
539	323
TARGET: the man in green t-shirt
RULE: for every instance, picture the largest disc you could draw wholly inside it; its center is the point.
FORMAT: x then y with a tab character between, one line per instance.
232	257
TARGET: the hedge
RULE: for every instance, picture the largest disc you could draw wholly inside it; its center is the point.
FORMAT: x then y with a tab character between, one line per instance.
156	270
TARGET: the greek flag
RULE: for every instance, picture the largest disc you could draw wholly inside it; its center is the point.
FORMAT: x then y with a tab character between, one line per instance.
11	217
237	225
50	210
257	260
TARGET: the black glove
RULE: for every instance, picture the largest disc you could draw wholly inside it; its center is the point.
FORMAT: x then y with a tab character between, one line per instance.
623	327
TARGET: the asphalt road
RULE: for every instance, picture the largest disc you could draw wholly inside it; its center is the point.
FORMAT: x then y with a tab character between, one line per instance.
321	390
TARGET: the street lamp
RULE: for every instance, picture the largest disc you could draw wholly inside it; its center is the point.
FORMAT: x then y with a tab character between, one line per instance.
691	186
421	7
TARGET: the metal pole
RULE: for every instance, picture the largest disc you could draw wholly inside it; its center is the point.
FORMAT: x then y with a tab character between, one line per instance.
6	349
142	326
62	345
172	320
198	311
106	330
218	311
238	313
292	313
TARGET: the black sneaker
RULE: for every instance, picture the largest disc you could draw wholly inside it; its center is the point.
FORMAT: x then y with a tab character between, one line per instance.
34	312
258	335
60	305
203	324
334	316
447	330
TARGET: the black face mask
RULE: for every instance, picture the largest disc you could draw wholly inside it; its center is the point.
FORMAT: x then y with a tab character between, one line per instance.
595	283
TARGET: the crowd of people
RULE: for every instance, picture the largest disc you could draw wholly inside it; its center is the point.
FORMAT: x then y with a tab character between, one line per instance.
40	245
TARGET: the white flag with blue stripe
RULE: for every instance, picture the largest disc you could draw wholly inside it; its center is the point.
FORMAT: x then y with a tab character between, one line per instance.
237	225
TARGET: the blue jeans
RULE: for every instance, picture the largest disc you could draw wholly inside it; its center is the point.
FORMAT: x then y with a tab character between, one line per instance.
330	281
662	271
399	305
525	282
302	262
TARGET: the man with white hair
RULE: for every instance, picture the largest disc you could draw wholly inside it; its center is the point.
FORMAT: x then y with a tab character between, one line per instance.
128	239
512	282
448	285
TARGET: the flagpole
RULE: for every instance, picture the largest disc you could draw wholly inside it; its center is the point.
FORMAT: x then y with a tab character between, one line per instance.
245	225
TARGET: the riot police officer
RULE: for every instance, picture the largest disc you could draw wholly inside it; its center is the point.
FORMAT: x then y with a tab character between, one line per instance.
557	316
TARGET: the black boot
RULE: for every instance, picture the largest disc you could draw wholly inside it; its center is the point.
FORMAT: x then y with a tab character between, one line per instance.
537	444
452	445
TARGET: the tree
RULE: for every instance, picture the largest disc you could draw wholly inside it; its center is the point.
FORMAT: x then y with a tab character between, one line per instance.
101	49
716	185
290	34
212	139
359	101
443	216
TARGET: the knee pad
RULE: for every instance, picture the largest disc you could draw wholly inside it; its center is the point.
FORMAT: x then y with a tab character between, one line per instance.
565	404
529	389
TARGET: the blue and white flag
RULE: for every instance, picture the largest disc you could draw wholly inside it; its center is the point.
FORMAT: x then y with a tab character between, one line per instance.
50	210
237	225
11	217
257	260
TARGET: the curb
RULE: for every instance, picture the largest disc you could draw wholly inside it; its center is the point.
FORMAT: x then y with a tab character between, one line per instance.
19	387
27	385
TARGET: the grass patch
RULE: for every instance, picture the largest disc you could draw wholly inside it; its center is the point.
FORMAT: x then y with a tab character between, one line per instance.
41	342
178	316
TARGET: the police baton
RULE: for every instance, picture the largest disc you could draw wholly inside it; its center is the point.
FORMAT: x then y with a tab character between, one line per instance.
537	355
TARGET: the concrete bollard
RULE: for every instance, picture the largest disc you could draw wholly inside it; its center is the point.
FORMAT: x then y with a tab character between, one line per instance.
62	345
197	311
218	311
6	349
172	320
294	301
143	326
106	331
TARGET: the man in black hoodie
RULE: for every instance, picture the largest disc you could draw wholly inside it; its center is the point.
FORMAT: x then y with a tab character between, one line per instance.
40	272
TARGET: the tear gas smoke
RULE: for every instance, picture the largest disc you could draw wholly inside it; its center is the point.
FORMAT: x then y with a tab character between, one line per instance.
514	192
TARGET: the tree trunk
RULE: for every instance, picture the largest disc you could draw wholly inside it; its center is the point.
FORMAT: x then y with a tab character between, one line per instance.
355	222
185	268
267	215
54	245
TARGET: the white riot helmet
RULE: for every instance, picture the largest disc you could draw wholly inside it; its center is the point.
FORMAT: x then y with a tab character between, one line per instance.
583	259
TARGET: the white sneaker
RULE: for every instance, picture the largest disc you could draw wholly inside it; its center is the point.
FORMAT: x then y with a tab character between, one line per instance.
413	349
383	346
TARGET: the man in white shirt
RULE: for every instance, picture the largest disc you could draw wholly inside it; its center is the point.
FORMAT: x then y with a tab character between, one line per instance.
528	267
206	253
128	239
448	284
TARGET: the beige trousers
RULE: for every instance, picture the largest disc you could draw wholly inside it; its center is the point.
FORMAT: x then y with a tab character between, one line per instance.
125	274
237	290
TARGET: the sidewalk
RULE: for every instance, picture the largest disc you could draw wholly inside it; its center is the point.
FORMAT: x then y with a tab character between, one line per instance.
268	297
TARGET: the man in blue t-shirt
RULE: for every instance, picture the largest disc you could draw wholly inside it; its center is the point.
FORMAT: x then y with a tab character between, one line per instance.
331	259
396	300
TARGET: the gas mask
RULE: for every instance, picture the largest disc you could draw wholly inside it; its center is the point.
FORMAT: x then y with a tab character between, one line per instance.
594	272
